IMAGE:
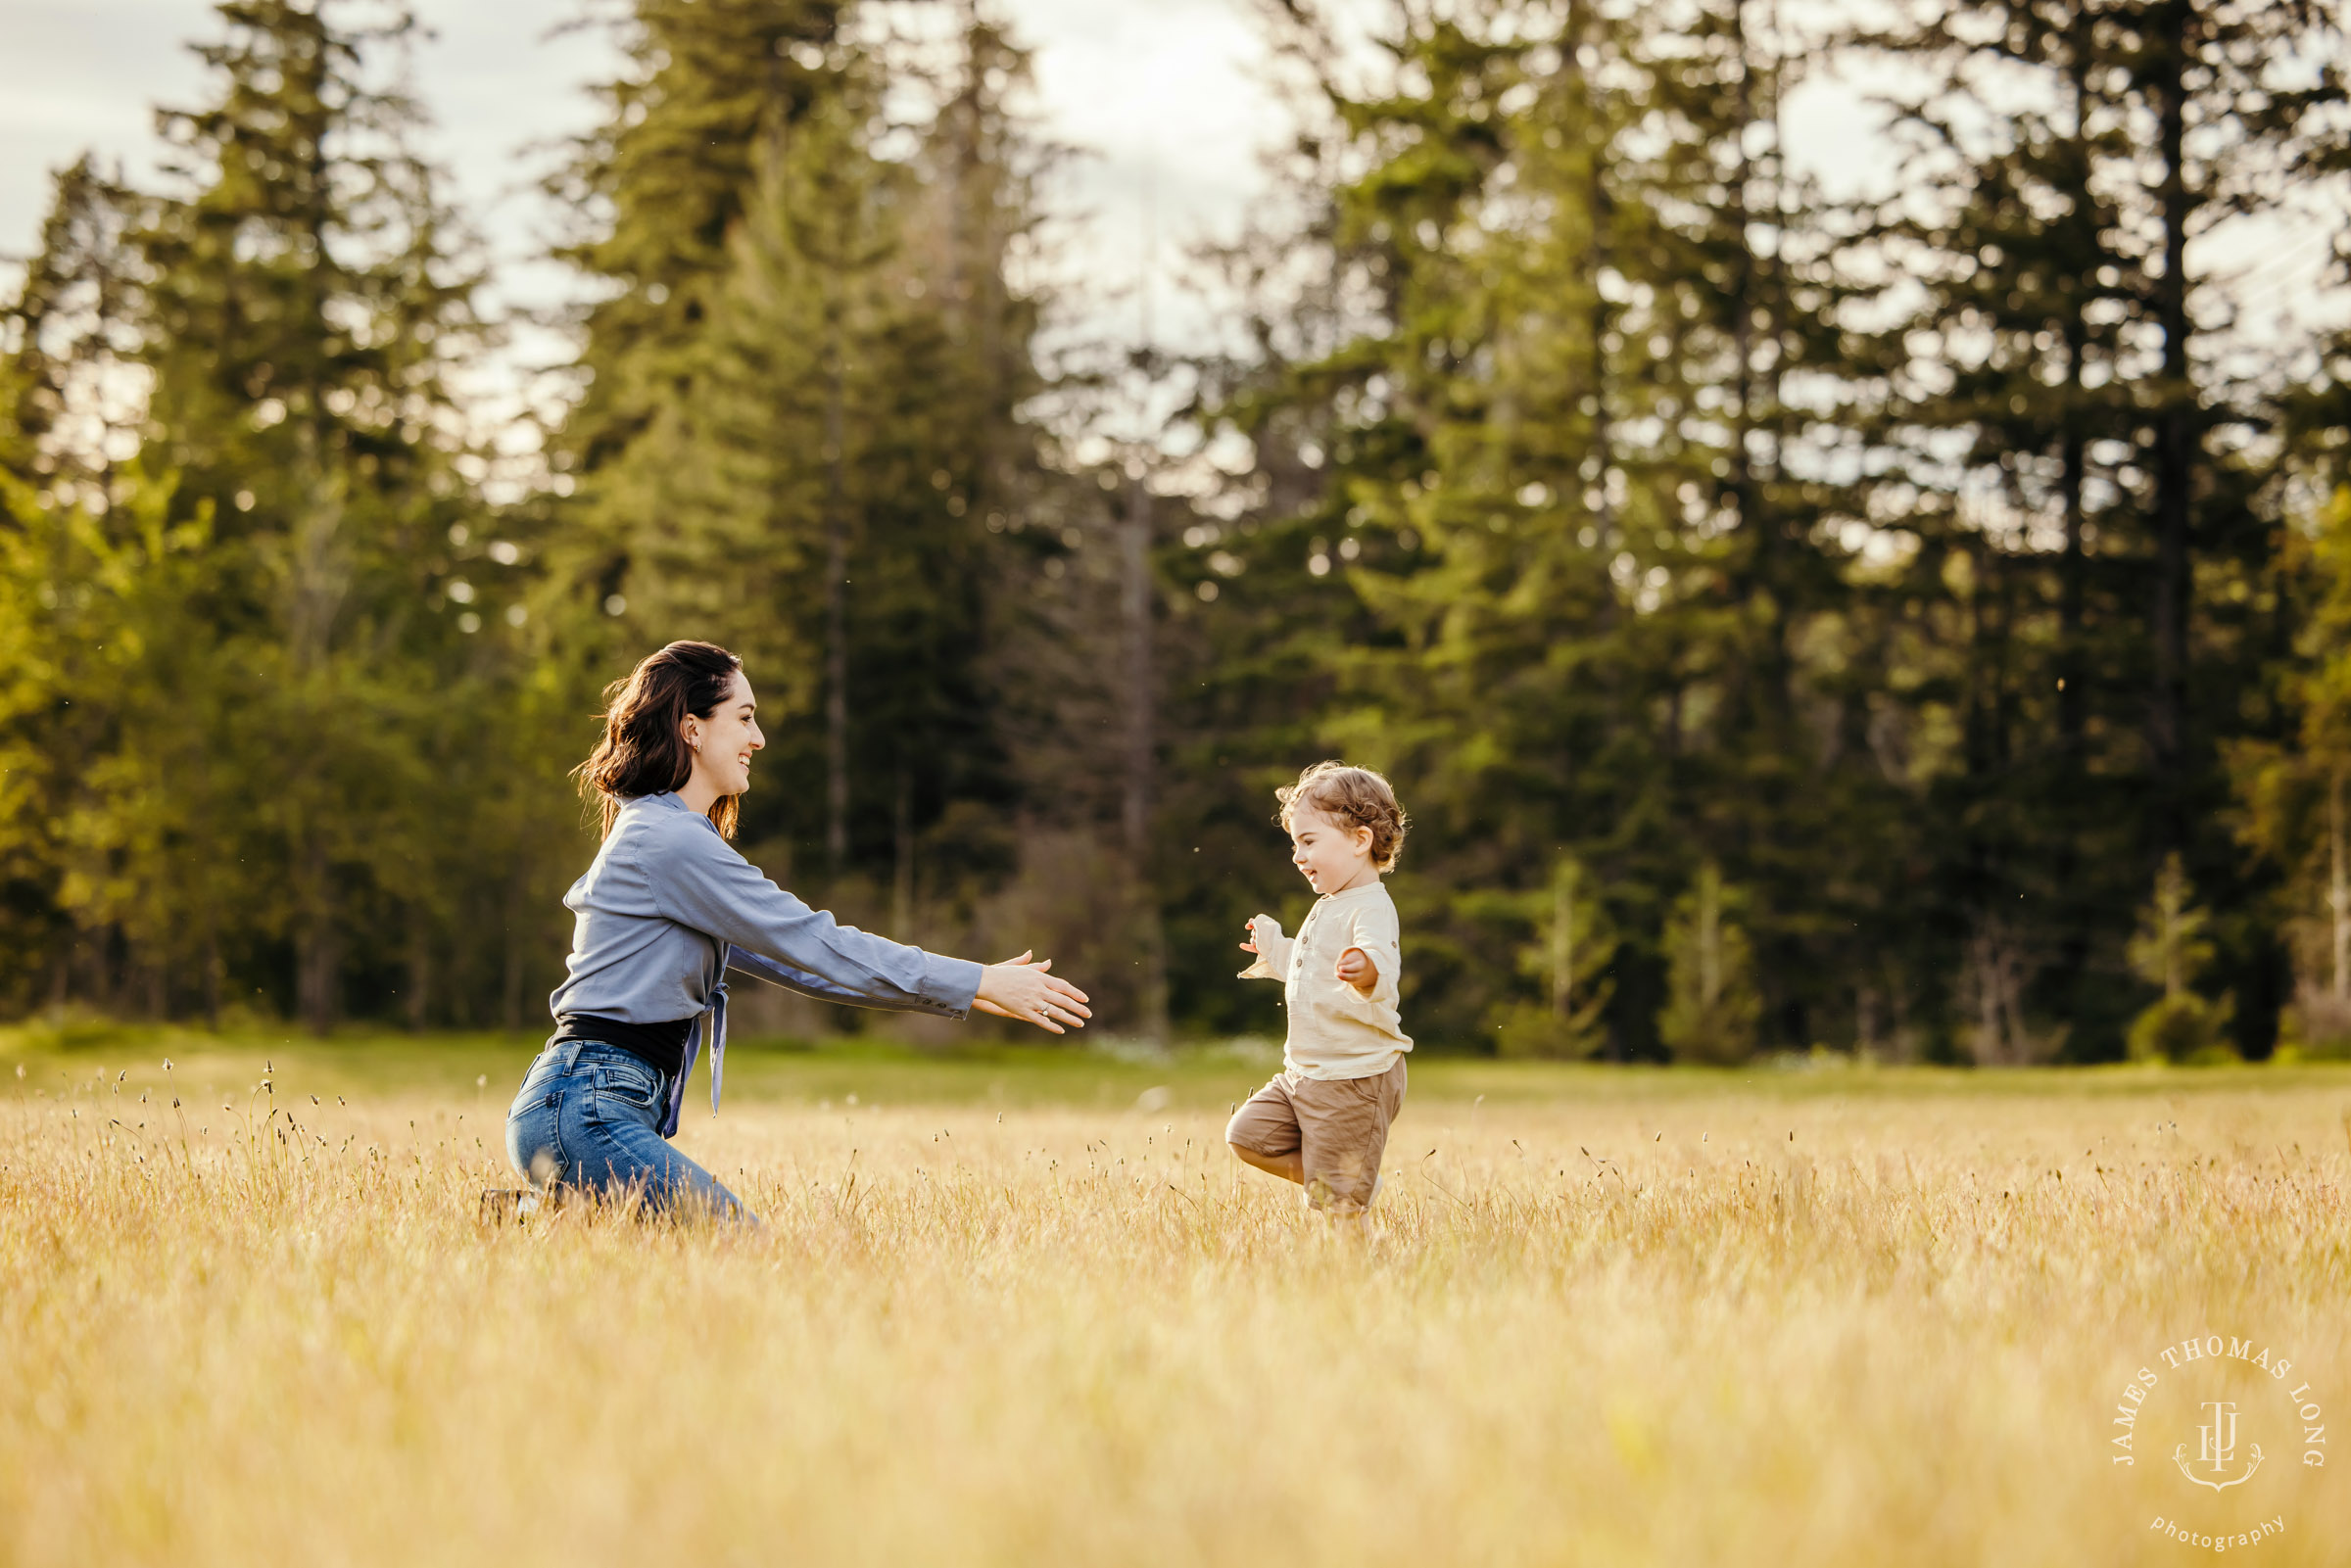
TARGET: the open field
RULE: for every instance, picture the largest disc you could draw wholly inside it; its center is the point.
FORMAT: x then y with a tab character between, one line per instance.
1027	1309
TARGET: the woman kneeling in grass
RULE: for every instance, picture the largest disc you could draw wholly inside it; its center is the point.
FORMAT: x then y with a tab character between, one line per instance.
665	910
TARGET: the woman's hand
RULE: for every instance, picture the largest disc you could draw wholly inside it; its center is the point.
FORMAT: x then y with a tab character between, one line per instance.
1018	988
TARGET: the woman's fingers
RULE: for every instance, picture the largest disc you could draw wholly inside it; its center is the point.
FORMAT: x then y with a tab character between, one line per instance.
1056	1002
1022	988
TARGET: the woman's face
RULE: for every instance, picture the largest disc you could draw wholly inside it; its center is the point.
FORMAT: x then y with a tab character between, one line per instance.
723	743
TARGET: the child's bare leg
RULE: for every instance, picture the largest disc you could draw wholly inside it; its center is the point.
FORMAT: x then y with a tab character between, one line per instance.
1289	1168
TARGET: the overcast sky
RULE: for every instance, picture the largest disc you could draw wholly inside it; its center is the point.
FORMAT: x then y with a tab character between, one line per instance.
1159	93
1164	97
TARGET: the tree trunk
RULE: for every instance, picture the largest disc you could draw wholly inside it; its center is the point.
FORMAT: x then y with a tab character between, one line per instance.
902	898
2338	889
2072	714
511	990
1135	605
1743	327
837	606
315	955
420	973
2176	440
1600	214
213	968
1562	947
1710	940
2071	450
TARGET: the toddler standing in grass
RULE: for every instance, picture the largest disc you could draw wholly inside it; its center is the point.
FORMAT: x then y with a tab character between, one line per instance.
1323	1122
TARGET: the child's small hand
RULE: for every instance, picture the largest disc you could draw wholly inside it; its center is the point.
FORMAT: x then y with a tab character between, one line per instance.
1249	946
1356	969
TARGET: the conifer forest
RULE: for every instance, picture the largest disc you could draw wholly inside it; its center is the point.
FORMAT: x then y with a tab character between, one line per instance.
1916	624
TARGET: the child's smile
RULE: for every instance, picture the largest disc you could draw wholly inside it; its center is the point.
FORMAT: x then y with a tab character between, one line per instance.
1332	855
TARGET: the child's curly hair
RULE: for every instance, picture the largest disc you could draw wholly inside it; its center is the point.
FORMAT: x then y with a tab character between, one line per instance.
1356	796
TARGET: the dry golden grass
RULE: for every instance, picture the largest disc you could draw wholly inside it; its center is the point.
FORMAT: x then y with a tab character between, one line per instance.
1047	1336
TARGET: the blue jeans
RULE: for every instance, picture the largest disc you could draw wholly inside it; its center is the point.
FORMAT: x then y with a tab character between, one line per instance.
585	1119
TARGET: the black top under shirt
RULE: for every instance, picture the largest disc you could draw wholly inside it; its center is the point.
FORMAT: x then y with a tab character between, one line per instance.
660	1046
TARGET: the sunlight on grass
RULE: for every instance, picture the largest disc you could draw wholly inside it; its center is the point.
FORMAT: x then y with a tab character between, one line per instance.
1721	1325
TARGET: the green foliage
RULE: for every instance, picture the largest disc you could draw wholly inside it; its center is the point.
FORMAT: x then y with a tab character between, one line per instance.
800	435
276	750
2292	787
1923	571
1575	947
2315	1028
1685	515
2172	950
1711	1003
295	701
2186	1028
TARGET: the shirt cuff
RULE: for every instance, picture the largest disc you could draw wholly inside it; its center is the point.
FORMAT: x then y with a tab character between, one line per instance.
950	984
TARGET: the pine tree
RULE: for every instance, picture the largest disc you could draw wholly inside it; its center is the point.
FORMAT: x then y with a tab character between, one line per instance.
2061	546
1568	492
1574	949
801	434
1712	1004
300	307
661	185
2294	790
66	337
2172	950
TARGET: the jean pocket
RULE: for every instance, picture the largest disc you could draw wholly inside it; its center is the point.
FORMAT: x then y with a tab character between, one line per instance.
628	1084
536	1082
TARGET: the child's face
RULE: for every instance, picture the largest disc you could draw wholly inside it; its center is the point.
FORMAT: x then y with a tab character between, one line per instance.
1334	855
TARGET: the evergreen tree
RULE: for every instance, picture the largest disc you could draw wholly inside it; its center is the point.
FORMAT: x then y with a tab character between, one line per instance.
2085	547
67	336
1574	949
801	433
2170	950
2294	790
1572	499
264	626
301	308
1710	998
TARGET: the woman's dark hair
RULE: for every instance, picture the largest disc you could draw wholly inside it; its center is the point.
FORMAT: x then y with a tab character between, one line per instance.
644	751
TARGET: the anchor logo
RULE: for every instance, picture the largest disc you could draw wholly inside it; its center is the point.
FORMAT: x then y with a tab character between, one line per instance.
2218	1448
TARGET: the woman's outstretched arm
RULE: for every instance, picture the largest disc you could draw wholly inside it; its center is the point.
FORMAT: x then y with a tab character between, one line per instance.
702	882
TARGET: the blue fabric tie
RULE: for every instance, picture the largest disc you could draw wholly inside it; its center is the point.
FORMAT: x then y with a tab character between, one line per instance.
712	1022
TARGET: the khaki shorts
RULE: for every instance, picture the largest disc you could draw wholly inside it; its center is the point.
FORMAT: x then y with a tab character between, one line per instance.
1338	1128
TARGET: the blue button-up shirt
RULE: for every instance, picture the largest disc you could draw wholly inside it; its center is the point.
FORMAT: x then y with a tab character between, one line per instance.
669	907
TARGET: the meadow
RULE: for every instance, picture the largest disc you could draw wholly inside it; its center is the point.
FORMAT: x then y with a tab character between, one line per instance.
1024	1307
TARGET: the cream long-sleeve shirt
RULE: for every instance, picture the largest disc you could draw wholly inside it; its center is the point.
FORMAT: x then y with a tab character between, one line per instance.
1335	1031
